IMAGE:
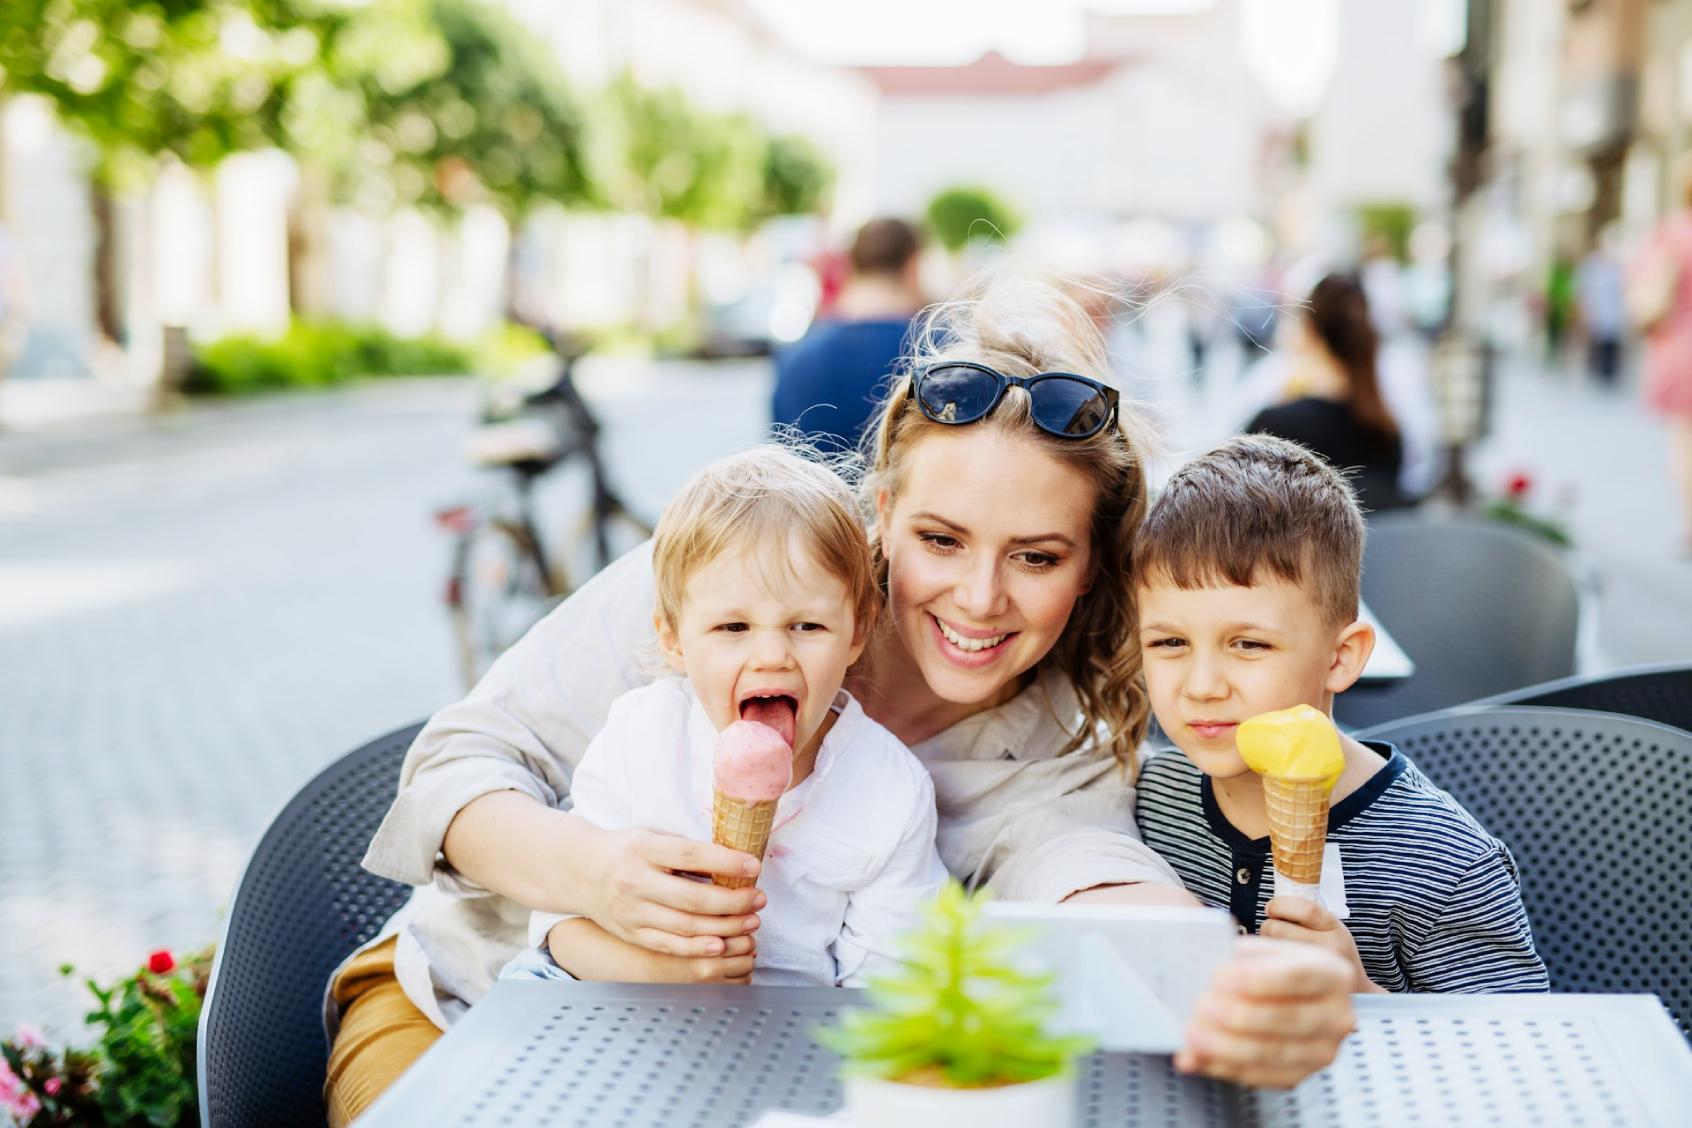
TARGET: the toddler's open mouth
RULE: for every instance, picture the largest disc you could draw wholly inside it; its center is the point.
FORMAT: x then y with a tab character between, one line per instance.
778	710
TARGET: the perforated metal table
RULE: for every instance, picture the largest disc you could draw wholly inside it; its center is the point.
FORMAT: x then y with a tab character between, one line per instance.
636	1055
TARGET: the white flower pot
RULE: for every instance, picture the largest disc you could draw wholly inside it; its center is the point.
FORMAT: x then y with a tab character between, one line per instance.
874	1103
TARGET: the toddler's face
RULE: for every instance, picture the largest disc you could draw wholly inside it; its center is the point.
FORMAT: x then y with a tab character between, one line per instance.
767	623
1216	656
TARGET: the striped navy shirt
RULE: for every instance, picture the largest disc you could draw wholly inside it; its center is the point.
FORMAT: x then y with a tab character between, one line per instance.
1435	900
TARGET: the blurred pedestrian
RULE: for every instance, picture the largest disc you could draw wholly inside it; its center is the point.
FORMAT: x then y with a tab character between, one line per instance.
828	384
1598	300
1659	299
1332	395
1559	302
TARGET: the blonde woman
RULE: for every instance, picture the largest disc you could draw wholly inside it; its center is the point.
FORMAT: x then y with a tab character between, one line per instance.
1006	483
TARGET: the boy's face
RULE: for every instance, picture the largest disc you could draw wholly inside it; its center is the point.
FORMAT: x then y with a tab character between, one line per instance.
760	624
1216	656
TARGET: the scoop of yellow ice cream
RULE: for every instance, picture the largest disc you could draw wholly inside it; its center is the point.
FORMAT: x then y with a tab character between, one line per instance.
1297	743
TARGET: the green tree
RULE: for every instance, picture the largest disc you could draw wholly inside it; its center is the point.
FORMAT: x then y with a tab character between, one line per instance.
959	215
797	177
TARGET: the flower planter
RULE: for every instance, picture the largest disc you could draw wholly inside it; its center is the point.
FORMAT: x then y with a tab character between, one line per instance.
875	1103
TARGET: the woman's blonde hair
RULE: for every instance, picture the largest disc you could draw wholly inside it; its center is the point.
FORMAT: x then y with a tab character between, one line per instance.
757	501
1021	325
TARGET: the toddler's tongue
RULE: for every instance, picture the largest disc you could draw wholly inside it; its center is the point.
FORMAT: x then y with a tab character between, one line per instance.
777	712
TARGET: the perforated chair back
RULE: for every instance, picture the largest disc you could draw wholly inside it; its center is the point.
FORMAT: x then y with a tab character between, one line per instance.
1595	807
1654	693
1481	608
302	906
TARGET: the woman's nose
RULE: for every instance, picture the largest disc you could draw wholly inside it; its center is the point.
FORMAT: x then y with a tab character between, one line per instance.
979	592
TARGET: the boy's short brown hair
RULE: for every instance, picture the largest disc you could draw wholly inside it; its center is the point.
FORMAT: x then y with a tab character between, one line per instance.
1257	505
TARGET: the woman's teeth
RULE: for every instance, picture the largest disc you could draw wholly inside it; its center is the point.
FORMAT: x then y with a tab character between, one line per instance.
970	644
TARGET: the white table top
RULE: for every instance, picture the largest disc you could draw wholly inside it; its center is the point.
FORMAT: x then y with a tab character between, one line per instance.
540	1054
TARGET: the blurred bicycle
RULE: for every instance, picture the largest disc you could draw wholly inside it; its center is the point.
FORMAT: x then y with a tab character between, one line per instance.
504	577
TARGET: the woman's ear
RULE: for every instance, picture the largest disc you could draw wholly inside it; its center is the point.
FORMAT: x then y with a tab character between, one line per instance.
883	507
669	643
1352	647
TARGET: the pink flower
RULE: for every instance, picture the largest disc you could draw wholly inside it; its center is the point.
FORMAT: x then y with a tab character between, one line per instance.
160	962
1517	486
29	1035
52	1085
15	1098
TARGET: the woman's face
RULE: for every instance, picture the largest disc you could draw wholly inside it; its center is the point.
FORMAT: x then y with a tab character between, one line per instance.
988	547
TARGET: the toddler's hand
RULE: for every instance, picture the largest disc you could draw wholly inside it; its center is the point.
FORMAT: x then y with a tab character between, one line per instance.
1294	918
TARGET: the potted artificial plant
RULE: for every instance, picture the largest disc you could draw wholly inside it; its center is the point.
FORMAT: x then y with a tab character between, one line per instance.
957	1034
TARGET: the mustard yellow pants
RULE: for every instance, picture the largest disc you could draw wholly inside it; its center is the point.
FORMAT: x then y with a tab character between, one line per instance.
382	1033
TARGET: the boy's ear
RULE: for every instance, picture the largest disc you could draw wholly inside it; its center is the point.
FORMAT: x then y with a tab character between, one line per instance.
1352	647
669	642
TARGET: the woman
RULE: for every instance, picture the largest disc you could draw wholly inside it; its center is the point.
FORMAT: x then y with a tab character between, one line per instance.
1333	401
1007	662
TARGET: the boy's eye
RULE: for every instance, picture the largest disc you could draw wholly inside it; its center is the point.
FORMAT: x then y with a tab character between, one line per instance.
808	627
1254	644
1166	643
731	628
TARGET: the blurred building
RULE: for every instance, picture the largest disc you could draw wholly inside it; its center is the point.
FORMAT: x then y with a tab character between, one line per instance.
1164	119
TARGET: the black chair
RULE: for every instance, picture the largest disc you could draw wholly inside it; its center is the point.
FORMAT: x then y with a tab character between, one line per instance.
303	905
1654	693
1595	807
1480	607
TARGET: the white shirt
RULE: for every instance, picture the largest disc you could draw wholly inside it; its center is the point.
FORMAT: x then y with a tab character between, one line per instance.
851	858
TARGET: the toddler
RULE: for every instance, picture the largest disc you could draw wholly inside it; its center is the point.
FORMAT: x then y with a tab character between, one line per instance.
766	594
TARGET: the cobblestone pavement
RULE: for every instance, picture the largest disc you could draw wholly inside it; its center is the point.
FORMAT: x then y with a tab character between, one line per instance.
197	614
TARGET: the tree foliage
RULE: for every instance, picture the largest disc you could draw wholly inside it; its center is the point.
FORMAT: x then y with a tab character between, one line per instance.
440	103
959	215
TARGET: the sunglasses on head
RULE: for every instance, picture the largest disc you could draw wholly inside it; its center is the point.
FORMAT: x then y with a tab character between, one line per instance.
1063	404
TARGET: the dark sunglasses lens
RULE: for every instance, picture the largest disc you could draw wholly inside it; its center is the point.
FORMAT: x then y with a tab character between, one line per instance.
1068	407
954	394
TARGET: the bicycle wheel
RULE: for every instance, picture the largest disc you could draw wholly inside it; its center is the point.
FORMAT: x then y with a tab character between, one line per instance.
503	591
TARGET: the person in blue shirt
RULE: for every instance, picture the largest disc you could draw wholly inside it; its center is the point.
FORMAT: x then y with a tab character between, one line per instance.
829	383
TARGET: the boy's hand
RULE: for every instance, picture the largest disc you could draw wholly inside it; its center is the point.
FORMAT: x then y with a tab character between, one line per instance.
1294	918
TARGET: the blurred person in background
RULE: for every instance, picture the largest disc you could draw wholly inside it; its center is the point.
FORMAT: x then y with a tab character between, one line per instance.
828	384
1559	303
1331	398
1598	302
1659	300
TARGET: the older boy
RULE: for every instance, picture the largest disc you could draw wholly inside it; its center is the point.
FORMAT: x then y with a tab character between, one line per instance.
1249	567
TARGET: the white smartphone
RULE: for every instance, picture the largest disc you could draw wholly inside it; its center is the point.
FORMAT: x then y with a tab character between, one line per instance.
1128	976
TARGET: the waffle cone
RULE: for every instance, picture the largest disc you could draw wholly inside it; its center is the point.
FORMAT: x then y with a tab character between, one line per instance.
741	825
1298	825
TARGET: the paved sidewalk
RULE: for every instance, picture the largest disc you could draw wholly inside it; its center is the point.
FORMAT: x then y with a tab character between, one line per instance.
197	612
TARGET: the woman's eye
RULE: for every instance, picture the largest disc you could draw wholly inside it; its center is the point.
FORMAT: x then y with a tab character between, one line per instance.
1039	560
938	540
1165	643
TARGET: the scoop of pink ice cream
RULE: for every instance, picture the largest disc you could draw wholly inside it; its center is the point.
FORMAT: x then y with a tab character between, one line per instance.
752	763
